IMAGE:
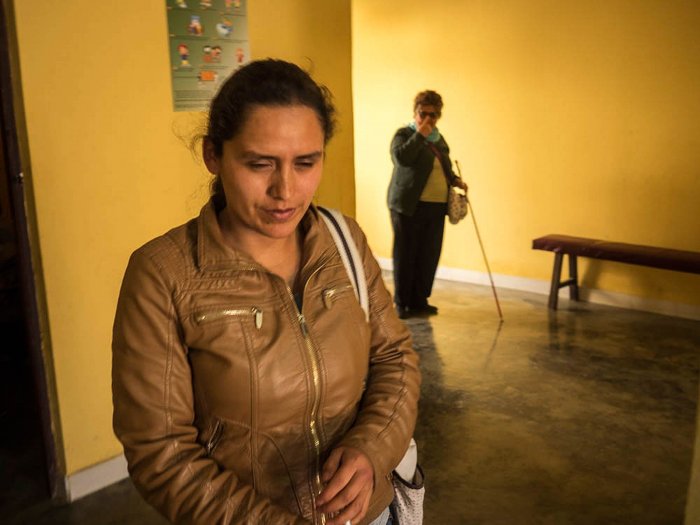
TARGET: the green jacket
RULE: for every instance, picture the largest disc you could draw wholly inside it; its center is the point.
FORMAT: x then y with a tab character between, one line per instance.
413	162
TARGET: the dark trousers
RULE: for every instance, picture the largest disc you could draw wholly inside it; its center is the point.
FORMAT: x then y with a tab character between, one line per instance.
416	252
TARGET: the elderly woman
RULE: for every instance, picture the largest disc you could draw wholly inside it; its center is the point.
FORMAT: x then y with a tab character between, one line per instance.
417	200
248	384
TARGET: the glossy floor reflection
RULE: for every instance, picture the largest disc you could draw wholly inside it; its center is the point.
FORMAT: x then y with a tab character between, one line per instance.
584	416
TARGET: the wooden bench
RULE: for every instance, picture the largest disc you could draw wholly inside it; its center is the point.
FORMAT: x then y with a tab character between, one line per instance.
665	258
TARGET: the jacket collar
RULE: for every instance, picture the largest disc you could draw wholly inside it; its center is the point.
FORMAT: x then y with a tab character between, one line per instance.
214	254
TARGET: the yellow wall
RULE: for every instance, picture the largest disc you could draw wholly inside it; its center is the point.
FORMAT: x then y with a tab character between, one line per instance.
109	171
316	35
577	118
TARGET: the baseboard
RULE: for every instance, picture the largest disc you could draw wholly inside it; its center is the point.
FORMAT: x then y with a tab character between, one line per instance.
540	286
97	477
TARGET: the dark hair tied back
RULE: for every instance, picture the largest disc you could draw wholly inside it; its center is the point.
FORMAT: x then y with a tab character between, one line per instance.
267	82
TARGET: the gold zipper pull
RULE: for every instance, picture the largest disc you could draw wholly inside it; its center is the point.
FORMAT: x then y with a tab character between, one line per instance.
302	324
328	298
258	317
214	439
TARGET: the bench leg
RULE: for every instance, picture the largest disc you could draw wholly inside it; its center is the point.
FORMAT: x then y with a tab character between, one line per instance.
573	278
556	277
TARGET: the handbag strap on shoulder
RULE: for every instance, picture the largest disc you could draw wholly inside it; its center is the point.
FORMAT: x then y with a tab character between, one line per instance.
347	249
446	170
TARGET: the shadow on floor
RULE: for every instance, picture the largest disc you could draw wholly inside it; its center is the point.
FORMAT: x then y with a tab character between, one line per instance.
118	504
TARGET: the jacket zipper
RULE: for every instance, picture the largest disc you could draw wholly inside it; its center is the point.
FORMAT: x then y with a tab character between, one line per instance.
213	315
314	359
313	423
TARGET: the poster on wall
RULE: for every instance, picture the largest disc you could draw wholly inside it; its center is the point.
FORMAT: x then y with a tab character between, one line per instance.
208	40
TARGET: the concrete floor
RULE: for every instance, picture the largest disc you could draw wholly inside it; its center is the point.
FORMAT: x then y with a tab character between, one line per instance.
583	416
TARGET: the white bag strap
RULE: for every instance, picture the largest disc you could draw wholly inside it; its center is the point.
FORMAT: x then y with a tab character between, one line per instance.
348	253
406	469
353	266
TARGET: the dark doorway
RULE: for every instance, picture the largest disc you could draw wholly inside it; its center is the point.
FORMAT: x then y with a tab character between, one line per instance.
23	478
28	467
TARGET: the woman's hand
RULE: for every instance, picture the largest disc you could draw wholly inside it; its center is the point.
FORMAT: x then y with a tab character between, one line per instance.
461	184
349	482
424	126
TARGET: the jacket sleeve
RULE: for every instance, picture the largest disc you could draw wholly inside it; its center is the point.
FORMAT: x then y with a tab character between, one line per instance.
406	146
389	408
154	414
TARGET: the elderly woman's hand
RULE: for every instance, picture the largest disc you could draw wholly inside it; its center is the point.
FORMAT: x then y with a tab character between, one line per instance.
349	479
425	127
461	184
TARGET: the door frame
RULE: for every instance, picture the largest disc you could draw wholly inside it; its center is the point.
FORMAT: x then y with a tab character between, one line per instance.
18	171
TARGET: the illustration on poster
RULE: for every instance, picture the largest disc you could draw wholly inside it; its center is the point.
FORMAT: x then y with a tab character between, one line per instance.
195	27
211	54
224	28
184	53
207	76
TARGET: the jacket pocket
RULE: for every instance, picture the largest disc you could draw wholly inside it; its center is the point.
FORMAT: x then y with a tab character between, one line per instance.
330	295
220	314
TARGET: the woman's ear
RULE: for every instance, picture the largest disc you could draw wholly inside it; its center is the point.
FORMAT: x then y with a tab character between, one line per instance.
211	161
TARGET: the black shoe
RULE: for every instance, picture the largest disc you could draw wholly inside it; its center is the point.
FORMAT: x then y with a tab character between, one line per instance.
403	312
426	309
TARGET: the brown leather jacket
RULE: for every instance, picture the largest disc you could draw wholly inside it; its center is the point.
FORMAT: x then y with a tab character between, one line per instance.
228	399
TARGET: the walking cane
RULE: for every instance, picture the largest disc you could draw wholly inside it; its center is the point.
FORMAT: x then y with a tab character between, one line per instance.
481	244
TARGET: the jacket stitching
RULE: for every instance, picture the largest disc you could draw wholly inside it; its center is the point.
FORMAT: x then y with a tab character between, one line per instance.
172	316
374	308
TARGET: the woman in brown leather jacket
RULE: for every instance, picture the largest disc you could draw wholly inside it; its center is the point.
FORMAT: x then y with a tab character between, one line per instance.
248	384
